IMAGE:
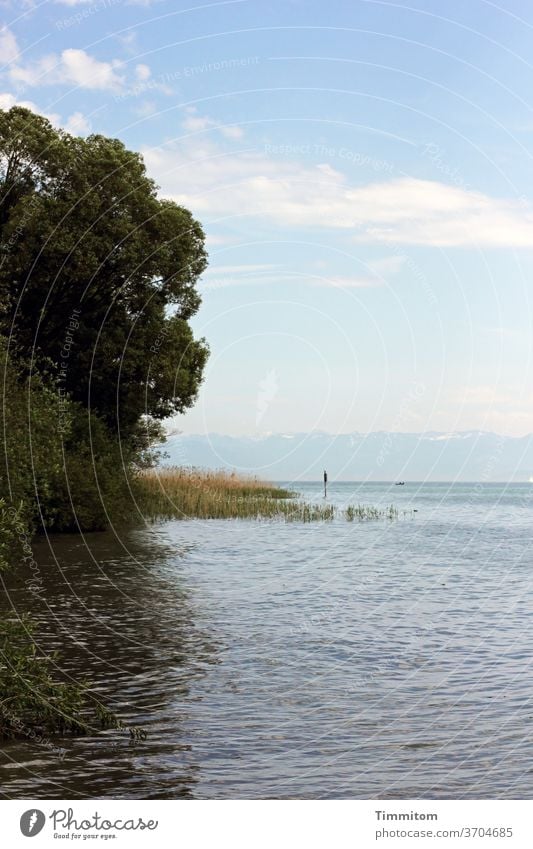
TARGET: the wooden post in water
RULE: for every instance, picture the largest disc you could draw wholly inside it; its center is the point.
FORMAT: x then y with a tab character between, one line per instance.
325	484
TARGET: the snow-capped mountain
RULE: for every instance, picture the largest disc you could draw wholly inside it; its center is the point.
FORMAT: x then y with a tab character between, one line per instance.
466	456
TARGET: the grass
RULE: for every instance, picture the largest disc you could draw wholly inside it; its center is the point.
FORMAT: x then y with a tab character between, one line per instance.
180	493
362	512
173	493
33	702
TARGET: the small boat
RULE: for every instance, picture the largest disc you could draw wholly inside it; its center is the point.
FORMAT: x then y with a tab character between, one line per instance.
400	483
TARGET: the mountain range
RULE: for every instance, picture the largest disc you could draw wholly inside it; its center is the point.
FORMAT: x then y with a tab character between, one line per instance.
378	456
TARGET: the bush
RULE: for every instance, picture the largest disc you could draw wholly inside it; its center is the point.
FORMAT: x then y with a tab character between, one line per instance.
58	469
30	696
94	485
61	468
12	524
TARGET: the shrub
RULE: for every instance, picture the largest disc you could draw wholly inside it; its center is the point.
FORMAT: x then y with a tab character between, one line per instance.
61	467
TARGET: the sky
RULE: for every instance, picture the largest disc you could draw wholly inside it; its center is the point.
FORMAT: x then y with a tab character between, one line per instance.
363	171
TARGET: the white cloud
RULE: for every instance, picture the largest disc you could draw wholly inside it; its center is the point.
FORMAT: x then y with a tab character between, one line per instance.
412	211
194	123
145	108
216	239
483	395
232	132
245	268
500	408
73	67
78	124
9	51
222	276
142	72
387	265
405	211
84	2
346	282
128	41
7	100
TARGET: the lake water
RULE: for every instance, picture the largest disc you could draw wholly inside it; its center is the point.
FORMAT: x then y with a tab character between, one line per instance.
388	659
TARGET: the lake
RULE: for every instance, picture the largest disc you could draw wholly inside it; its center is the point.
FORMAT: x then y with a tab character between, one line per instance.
264	659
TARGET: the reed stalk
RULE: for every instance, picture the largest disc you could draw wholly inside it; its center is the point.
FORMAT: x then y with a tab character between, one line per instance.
181	493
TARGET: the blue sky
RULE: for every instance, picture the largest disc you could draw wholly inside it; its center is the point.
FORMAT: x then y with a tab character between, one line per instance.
363	171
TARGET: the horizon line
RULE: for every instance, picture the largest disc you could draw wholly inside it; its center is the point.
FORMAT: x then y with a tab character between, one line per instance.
289	434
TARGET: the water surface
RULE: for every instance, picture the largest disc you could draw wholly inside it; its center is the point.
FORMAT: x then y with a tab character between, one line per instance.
271	660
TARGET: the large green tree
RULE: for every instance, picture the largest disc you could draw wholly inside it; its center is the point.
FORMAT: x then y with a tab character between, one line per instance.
97	273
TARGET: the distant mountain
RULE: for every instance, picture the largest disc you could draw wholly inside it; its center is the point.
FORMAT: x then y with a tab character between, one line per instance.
466	456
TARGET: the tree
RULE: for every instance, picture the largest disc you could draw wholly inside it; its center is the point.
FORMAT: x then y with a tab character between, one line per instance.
97	273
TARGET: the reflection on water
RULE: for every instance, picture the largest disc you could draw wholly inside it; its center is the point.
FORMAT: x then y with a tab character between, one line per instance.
272	660
120	616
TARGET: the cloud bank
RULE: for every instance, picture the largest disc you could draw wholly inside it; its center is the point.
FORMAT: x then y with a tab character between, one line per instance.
405	210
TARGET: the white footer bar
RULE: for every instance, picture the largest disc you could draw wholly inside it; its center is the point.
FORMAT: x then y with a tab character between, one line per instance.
268	824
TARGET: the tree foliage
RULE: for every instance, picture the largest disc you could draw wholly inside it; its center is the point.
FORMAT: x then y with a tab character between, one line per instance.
61	469
97	274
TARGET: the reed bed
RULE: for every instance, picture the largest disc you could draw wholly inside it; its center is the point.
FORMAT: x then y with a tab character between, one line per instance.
191	493
178	478
362	512
180	493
